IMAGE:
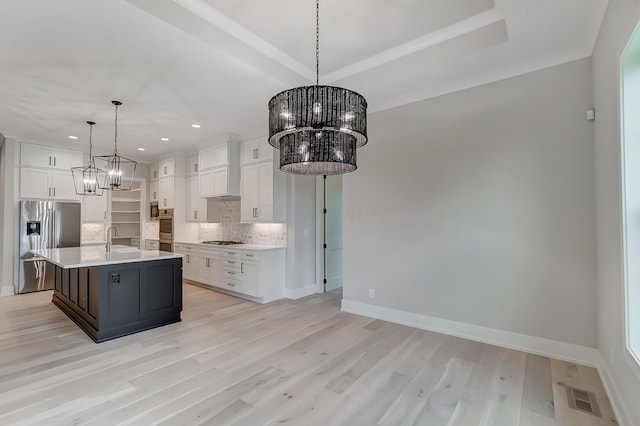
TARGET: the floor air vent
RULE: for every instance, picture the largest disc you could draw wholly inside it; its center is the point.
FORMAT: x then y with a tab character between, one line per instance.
582	400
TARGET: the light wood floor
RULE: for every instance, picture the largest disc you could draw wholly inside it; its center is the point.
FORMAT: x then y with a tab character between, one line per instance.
296	362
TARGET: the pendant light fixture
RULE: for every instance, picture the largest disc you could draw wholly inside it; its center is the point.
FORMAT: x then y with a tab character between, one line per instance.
317	128
119	171
86	178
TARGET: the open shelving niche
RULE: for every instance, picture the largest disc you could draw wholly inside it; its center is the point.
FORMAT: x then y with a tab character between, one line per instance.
126	207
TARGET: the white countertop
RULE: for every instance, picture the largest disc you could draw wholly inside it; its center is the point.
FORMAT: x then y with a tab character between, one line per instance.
252	247
80	257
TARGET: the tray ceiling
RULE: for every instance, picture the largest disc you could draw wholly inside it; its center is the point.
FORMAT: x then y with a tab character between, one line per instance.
217	62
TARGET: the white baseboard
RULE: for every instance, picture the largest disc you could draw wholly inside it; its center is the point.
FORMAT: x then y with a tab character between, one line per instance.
620	410
300	292
531	344
6	290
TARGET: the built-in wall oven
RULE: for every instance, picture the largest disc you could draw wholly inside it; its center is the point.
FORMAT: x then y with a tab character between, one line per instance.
165	220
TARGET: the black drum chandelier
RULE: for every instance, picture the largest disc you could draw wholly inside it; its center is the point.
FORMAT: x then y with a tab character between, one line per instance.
317	128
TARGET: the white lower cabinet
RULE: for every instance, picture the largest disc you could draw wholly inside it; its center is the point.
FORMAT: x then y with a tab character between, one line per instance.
255	275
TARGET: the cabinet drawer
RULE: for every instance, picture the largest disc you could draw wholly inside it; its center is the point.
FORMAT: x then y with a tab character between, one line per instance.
231	273
235	254
231	284
251	255
209	253
184	248
230	263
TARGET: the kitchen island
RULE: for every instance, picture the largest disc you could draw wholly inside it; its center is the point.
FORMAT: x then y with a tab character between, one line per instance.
116	293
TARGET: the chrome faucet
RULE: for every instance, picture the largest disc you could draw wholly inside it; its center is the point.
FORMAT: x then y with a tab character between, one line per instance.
109	237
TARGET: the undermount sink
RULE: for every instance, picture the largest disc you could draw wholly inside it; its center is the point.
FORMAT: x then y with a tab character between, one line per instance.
124	249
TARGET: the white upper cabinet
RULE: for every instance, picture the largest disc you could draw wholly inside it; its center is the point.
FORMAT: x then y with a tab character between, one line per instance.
62	185
192	165
153	191
216	156
45	172
166	193
167	167
255	151
35	183
196	206
219	170
154	172
214	183
47	184
261	193
170	167
49	157
94	208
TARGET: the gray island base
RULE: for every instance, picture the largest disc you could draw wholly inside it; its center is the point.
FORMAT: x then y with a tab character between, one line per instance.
113	299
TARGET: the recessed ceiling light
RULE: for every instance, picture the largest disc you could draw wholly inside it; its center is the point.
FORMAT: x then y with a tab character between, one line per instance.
164	139
73	137
195	126
141	149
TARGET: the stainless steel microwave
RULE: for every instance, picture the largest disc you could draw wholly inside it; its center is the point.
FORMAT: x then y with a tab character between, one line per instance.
154	211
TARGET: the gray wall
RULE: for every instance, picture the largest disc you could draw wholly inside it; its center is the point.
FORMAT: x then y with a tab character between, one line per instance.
622	16
479	207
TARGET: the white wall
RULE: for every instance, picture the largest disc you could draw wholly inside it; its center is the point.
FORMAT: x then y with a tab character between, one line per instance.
9	222
622	375
479	207
301	236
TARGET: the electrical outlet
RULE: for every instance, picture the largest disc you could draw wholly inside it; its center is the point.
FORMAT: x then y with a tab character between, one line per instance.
372	293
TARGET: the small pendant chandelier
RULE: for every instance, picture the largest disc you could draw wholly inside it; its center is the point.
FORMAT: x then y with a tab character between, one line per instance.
86	178
119	171
317	128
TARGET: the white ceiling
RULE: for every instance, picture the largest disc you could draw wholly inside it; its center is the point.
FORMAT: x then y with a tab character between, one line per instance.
218	62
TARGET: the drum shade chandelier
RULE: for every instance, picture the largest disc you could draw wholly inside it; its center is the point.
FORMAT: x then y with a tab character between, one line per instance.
86	178
317	128
119	171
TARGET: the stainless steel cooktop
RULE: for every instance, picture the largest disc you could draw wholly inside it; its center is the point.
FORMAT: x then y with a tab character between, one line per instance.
222	243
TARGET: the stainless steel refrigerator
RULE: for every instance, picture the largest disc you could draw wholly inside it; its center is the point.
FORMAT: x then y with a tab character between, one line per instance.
44	224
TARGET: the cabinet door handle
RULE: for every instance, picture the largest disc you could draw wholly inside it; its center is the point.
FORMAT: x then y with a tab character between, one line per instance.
232	285
49	191
54	161
188	259
231	273
195	168
154	195
207	262
165	202
242	268
54	190
49	160
257	153
195	214
105	214
248	255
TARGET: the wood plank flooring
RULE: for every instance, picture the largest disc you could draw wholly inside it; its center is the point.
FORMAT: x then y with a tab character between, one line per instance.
302	362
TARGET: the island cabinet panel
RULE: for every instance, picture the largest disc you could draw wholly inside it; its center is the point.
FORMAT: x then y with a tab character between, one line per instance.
115	300
123	301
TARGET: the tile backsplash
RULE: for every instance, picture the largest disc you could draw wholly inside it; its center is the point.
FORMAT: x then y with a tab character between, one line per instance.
230	228
92	233
151	230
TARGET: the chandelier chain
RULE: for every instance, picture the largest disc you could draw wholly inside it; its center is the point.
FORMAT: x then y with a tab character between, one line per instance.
115	142
90	143
317	42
